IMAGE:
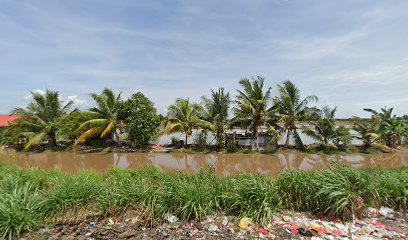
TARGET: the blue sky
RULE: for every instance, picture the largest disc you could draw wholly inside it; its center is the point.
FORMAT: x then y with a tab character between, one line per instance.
350	53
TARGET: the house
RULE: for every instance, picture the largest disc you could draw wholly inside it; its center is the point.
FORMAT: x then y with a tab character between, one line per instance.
6	119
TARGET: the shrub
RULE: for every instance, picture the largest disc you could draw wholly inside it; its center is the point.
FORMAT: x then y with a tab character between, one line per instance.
200	140
174	141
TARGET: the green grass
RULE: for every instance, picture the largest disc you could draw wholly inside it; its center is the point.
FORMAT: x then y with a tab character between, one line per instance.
32	196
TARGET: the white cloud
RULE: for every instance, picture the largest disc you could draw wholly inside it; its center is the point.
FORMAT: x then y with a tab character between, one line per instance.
30	96
77	102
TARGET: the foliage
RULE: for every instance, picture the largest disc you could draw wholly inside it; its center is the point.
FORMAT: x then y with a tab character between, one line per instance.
174	140
251	110
216	113
40	119
326	132
200	140
184	116
105	120
293	109
367	130
20	211
4	138
381	128
391	129
141	119
232	146
69	124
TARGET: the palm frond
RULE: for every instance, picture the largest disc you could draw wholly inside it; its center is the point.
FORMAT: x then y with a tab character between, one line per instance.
34	140
91	133
94	123
111	127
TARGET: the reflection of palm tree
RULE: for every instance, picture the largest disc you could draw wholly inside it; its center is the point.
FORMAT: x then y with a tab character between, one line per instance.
314	161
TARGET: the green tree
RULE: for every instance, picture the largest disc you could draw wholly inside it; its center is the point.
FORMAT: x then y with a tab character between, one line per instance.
104	120
326	132
251	110
39	120
68	127
293	109
141	119
216	112
367	130
184	116
391	129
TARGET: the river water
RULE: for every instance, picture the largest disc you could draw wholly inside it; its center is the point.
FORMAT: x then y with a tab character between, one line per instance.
224	164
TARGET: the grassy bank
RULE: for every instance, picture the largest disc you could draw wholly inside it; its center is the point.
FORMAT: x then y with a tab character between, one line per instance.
31	197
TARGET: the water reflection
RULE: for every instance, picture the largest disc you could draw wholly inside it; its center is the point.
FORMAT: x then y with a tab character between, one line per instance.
224	164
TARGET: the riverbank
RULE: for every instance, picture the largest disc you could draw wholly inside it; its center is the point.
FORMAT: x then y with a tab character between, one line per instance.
191	149
31	198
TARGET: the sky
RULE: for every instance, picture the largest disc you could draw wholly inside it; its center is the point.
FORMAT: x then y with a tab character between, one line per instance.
351	53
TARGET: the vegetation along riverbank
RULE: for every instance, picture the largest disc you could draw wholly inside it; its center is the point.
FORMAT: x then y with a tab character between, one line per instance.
33	198
252	120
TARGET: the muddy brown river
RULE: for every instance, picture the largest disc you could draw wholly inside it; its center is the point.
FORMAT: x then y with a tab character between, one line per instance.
224	164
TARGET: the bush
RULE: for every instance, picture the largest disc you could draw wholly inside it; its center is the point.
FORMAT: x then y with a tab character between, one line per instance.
200	140
174	141
232	146
141	119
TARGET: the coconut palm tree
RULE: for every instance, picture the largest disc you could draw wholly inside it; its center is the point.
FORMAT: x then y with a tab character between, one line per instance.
368	130
326	132
39	120
251	110
184	117
292	109
105	121
216	112
391	129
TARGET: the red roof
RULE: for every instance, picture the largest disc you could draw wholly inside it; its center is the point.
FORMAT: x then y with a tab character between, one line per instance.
5	119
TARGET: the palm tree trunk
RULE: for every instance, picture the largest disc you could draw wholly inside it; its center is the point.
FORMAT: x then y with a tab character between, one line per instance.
52	139
219	140
185	144
288	138
256	133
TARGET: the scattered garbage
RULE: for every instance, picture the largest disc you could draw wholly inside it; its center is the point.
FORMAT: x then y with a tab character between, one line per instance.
170	218
212	228
380	223
386	212
244	223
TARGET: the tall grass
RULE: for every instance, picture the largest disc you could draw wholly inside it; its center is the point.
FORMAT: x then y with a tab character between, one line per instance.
20	210
31	196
